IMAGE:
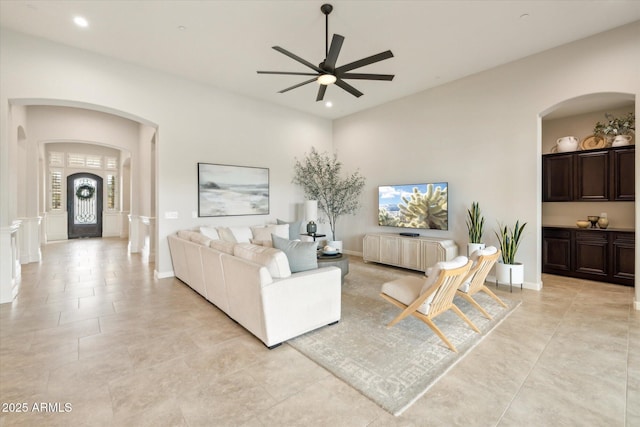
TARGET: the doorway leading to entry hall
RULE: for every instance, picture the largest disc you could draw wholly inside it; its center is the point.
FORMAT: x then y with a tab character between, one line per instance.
84	205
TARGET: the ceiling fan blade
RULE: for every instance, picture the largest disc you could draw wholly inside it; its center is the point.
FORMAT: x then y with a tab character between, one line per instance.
346	86
334	51
361	76
297	58
365	61
287	73
321	90
298	85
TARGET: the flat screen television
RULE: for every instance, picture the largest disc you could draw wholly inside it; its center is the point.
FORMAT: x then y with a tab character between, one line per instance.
418	206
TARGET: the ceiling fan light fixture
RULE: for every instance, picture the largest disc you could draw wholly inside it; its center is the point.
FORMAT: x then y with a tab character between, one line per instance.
326	79
327	73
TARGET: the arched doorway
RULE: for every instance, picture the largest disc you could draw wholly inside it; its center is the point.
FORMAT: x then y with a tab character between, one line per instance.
563	251
84	205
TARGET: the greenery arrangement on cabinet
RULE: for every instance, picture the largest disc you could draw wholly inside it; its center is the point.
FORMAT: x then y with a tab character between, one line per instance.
509	240
614	126
475	223
320	176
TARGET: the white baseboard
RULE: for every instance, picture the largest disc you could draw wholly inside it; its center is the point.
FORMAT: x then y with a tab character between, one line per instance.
163	274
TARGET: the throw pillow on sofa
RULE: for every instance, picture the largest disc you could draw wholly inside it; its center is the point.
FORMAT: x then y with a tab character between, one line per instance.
302	256
262	235
294	228
235	234
210	232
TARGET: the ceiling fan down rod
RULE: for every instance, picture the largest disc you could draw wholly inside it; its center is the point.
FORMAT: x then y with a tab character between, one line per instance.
326	9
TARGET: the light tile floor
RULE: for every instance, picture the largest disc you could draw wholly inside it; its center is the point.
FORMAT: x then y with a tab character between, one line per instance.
91	328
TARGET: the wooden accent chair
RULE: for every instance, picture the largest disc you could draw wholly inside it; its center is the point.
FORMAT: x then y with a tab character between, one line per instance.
426	299
483	259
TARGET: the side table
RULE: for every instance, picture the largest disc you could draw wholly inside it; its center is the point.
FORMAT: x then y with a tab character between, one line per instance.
341	261
314	235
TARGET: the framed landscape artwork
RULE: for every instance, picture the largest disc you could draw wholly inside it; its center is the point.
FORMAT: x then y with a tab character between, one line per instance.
225	190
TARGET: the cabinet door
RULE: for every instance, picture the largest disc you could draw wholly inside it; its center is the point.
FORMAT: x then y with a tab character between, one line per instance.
371	248
557	178
623	262
411	257
556	251
623	187
389	250
592	176
591	254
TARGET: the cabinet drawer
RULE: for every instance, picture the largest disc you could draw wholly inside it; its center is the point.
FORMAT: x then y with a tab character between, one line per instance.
592	235
556	233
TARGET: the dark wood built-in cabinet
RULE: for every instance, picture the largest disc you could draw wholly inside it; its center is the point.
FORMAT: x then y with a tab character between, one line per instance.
592	175
624	176
592	254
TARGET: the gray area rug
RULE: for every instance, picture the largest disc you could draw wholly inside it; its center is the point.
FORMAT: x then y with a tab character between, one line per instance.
392	367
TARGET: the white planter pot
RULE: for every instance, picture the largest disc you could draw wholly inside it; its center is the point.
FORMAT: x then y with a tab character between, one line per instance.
510	273
472	247
621	140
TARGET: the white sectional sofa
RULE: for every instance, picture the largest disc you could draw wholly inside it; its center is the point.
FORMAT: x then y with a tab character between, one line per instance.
254	285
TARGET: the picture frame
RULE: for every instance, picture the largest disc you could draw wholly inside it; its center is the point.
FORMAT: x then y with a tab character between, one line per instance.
229	190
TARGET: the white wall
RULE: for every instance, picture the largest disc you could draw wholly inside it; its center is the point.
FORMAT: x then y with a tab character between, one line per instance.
195	124
482	135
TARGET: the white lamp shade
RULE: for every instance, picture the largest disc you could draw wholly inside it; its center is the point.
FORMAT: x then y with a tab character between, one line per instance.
311	210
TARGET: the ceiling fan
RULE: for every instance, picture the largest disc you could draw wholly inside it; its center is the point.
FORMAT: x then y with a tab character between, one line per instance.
326	72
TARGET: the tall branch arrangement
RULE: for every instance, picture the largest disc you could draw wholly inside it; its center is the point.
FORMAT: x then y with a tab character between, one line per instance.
319	175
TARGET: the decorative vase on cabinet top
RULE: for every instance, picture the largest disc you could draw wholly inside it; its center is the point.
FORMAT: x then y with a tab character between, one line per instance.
621	140
567	143
603	222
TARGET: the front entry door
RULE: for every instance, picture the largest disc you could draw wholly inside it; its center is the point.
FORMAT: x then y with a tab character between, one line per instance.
84	205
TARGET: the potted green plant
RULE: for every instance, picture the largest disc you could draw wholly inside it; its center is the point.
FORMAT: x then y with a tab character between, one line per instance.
509	239
475	226
320	176
617	130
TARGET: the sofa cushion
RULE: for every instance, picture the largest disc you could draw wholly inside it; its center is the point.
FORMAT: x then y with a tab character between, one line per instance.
266	243
273	259
222	246
184	234
194	236
294	228
262	235
210	232
302	256
199	238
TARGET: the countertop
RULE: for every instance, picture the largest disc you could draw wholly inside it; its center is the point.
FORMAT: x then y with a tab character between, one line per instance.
574	227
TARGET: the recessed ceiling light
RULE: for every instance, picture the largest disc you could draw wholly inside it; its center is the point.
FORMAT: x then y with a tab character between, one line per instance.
524	16
182	27
328	104
81	21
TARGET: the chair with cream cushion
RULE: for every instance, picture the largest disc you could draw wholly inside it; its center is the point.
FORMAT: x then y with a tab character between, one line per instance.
426	299
483	259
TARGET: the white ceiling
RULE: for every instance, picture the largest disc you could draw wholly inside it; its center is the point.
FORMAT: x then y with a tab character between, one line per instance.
224	43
